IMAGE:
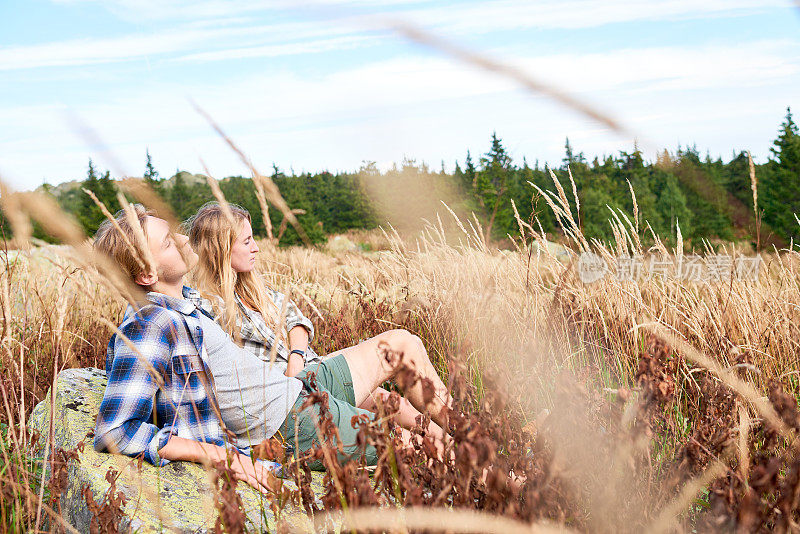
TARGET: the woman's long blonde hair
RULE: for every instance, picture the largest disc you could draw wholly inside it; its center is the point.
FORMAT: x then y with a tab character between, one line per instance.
212	236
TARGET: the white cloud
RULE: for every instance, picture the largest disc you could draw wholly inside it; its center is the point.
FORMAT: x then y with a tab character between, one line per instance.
672	68
459	17
507	15
275	50
213	30
180	40
182	10
429	108
89	51
211	27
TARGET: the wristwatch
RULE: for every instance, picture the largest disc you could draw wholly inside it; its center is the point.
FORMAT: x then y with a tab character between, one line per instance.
302	353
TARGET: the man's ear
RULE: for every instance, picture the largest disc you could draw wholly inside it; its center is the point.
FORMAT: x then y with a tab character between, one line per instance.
146	279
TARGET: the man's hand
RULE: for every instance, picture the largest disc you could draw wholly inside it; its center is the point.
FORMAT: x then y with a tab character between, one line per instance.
244	468
248	470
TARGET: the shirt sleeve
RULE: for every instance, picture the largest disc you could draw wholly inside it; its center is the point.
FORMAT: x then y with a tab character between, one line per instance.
294	317
124	421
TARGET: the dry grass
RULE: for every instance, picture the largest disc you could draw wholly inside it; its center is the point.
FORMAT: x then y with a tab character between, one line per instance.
518	320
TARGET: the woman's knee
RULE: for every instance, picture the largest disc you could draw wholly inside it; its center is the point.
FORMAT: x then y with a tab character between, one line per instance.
402	338
403	341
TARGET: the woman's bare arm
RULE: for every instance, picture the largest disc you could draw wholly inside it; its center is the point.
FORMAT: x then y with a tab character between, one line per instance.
298	339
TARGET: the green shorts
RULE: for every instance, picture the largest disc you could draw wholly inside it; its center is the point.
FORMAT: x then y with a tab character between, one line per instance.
333	377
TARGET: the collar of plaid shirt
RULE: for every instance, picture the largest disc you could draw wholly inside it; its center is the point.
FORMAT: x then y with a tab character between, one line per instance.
191	301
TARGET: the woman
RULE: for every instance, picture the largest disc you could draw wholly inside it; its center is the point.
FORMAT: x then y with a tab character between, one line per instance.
226	273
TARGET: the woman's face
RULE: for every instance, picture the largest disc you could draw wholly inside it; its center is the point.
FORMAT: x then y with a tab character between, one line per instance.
244	250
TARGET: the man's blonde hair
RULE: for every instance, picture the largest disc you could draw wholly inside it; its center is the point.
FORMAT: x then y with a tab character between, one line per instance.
117	239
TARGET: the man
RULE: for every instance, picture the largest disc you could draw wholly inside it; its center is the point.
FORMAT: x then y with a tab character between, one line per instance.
173	373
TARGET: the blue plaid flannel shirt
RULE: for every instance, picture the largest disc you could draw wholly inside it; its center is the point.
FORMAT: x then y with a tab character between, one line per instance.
161	388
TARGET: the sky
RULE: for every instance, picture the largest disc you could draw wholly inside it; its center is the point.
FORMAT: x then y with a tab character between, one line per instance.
329	84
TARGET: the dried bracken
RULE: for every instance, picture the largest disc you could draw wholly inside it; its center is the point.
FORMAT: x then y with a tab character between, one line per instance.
108	514
570	406
231	517
59	465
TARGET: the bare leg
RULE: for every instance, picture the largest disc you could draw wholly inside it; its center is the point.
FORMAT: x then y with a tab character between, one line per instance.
369	370
407	415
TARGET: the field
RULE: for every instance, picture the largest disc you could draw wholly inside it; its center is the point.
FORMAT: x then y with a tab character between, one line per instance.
656	405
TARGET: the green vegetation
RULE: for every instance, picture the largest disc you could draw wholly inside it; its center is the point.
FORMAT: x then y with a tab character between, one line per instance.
707	198
625	408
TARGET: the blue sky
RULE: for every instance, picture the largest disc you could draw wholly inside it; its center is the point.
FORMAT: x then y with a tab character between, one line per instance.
327	84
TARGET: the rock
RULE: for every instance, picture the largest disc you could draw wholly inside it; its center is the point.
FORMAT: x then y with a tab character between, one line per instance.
177	497
560	252
340	243
43	256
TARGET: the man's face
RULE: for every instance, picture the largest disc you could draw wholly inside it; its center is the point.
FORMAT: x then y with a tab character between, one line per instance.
170	266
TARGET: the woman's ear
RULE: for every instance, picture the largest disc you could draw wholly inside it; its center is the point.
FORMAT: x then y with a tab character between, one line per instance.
146	279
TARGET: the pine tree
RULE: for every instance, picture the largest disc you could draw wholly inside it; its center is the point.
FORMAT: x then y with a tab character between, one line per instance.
369	168
91	177
107	192
89	214
151	176
671	204
497	154
779	188
468	181
458	174
150	172
492	185
180	196
705	199
568	157
786	147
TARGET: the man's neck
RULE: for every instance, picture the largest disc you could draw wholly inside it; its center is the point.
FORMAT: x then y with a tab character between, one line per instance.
171	290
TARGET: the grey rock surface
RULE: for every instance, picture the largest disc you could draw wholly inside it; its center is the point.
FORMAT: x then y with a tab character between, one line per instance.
175	498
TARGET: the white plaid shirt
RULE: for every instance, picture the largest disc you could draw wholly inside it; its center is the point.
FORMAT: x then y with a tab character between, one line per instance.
258	337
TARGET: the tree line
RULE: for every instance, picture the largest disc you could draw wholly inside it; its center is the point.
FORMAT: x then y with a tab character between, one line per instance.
706	198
